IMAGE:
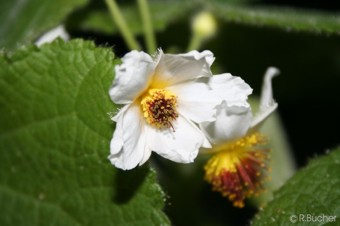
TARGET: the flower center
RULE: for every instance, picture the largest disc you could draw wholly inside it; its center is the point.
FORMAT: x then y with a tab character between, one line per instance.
159	108
238	169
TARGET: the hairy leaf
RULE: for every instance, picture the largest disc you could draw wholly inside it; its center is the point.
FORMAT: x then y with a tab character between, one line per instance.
312	191
54	141
287	18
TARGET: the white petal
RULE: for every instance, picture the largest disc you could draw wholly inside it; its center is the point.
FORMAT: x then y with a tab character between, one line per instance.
267	102
128	145
231	123
117	140
120	113
146	156
175	68
233	90
54	33
132	77
196	101
206	54
180	145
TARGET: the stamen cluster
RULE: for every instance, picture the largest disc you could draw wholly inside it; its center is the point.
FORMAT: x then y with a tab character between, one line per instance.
159	108
237	171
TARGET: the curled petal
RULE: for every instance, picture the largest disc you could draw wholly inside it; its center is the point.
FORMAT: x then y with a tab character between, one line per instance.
132	77
180	144
207	55
231	123
128	146
176	68
267	102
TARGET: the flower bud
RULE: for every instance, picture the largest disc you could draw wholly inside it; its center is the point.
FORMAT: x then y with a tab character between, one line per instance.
204	24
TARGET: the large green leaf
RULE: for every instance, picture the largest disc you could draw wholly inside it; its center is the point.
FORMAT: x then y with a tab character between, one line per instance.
22	21
54	141
287	18
236	11
313	191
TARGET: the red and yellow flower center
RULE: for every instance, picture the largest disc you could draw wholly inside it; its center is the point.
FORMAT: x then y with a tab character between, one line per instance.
238	168
159	108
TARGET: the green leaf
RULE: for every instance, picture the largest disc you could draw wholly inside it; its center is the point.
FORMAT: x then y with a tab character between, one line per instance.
98	19
22	22
289	19
236	11
314	190
54	142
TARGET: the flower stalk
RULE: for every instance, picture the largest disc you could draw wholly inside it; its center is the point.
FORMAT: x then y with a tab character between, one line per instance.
147	26
195	42
203	27
121	24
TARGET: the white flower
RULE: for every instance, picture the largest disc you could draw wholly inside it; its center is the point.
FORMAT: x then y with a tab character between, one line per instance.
239	164
164	100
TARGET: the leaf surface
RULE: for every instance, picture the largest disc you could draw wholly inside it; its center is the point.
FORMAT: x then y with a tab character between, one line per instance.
54	142
312	191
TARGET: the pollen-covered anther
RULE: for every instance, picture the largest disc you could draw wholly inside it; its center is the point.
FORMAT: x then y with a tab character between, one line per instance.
239	170
159	108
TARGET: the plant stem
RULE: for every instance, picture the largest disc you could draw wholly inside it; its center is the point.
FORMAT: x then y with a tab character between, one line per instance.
148	29
121	24
195	42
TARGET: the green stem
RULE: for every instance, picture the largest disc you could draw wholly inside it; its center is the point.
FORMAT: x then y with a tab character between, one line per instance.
195	42
121	24
148	29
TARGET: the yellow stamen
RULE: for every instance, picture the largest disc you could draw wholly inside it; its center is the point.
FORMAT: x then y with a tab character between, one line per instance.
236	170
159	108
